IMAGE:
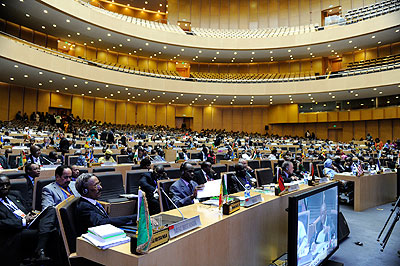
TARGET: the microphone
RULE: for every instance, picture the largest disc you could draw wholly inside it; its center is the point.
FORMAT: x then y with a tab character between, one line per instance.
183	217
48	160
239	182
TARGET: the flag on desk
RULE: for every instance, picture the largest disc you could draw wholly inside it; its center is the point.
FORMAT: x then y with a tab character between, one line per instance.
223	191
312	170
144	229
281	184
22	159
360	170
378	163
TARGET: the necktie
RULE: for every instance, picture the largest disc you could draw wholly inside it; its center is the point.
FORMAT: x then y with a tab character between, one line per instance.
190	187
100	207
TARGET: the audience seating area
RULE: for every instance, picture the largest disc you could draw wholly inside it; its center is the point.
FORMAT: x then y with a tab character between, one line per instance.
370	11
252	77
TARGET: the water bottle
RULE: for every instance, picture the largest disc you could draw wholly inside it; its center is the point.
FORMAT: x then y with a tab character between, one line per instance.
247	188
354	170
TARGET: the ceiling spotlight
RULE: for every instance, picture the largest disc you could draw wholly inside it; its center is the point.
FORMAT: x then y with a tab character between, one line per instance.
68	21
373	36
27	15
128	40
329	45
40	73
11	78
350	41
54	25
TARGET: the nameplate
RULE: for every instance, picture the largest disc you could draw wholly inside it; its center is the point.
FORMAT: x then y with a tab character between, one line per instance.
252	200
293	187
184	226
324	180
231	207
159	238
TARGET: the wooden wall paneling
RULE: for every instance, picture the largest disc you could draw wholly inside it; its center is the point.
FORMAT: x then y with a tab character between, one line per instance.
233	14
299	130
120	112
359	55
227	115
358	3
214	14
257	117
110	111
16	100
378	113
88	108
315	12
322	117
316	65
348	131
183	110
60	100
4	106
12	28
292	113
384	50
132	61
152	64
294	67
346	59
123	60
151	114
395	48
243	14
205	14
366	114
184	10
197	118
171	115
162	65
371	53
372	127
263	14
131	113
207	118
343	116
396	128
141	116
30	100
173	11
77	106
274	67
359	130
40	38
43	101
253	68
355	115
273	13
265	117
112	57
305	14
333	116
143	63
253	14
311	117
369	2
283	14
321	131
195	13
294	13
302	117
161	114
99	109
237	123
391	112
91	53
217	117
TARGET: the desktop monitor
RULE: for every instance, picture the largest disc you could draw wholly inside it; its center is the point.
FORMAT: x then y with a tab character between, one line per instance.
313	226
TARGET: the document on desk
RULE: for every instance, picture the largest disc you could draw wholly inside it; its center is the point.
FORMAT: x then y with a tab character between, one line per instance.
209	189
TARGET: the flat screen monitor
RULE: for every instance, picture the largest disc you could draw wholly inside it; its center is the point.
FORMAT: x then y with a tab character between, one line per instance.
313	226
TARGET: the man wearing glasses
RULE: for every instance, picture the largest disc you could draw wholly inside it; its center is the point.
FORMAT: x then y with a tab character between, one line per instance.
59	190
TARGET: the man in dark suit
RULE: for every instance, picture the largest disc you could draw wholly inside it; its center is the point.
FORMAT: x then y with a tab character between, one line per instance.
59	190
31	172
35	156
17	239
184	155
206	173
63	146
148	183
4	162
89	212
239	180
287	172
184	190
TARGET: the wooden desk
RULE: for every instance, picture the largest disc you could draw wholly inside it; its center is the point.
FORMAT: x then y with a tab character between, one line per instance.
251	236
372	190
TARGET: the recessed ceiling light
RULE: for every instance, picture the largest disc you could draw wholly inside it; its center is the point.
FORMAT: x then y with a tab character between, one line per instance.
376	88
333	96
25	76
97	89
68	21
138	94
40	73
99	40
27	15
105	97
69	35
356	94
329	45
108	34
380	92
373	36
350	41
57	90
289	50
75	85
11	78
270	52
379	42
111	95
355	47
146	44
54	25
16	66
78	33
129	100
66	88
43	27
88	28
217	52
107	86
252	52
397	30
45	11
63	78
128	40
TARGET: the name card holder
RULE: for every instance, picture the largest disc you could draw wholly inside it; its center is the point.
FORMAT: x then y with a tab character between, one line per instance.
159	237
231	207
252	200
184	226
293	187
324	180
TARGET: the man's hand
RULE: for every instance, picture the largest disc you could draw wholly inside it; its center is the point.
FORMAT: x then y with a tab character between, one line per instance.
30	217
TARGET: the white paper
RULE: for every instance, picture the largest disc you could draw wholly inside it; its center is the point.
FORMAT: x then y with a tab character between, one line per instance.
210	189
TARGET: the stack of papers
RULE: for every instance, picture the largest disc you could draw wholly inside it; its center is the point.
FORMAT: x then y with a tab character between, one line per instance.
106	236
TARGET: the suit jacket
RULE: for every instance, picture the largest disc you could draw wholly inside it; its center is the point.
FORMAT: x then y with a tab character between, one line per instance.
88	215
181	192
29	159
64	145
52	194
149	185
29	196
236	184
9	223
4	162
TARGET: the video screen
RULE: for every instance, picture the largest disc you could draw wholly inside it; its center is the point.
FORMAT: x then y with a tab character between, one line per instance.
317	230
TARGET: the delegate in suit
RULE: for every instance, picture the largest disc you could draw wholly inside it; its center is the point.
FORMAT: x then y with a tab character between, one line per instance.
17	239
61	189
184	190
89	211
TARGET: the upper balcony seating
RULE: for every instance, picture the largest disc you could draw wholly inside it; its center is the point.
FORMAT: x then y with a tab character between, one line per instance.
352	16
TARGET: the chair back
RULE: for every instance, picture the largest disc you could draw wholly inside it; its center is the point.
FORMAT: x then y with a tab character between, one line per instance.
67	221
112	184
124	159
40	183
264	176
254	164
132	180
173	173
136	167
165	204
103	169
265	164
14	175
219	157
20	185
219	168
72	160
196	155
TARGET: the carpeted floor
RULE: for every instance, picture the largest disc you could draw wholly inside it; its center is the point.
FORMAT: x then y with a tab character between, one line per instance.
365	227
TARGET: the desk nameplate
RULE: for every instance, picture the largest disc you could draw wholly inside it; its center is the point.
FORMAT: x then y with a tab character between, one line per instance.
184	226
294	187
252	200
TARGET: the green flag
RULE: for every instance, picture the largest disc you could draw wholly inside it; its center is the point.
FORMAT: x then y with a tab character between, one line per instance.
144	231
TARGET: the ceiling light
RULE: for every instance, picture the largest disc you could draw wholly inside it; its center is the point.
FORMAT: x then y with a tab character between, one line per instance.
350	41
373	36
88	28
270	52
356	94
75	85
379	42
27	15
380	92
329	45
66	88
25	76
63	78
308	48
97	89
57	90
11	78
289	50
111	95
40	73
147	44
182	49
43	27
355	47
217	52
16	66
376	89
397	30
99	40
138	94
68	21
333	96
128	40
54	25
118	91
